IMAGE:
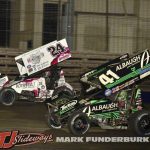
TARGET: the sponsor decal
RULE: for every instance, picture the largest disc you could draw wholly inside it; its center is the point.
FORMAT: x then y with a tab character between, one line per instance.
120	87
104	107
145	59
124	56
63	57
67	106
25	85
144	75
29	66
108	92
35	58
10	139
89	73
65	54
145	70
129	63
42	65
87	110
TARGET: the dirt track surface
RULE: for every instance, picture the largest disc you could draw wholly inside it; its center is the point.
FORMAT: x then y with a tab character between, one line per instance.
31	117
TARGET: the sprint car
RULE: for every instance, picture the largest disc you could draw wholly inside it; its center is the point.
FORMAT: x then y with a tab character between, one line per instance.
40	77
110	98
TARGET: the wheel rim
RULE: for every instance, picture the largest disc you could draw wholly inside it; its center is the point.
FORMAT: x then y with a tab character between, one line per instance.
81	124
144	124
8	97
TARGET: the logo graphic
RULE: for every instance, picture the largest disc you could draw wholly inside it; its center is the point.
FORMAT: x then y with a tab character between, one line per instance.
129	62
10	139
108	92
7	139
145	59
35	58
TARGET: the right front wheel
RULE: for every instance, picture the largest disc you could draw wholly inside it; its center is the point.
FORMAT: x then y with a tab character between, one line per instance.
140	123
53	121
78	123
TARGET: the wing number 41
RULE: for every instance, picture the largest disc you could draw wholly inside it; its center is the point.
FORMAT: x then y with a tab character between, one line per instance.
109	77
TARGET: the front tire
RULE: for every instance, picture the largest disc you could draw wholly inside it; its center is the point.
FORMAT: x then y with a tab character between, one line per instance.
63	96
78	123
8	96
53	121
53	118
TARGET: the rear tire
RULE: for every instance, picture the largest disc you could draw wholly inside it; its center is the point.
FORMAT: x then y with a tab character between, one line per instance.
8	96
139	123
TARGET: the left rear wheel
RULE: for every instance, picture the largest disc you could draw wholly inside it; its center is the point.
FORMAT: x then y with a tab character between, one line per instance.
8	96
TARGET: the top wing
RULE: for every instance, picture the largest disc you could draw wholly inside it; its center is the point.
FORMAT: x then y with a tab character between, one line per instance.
116	75
91	77
43	57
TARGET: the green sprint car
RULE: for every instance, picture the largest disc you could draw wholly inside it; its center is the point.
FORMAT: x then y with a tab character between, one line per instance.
110	98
